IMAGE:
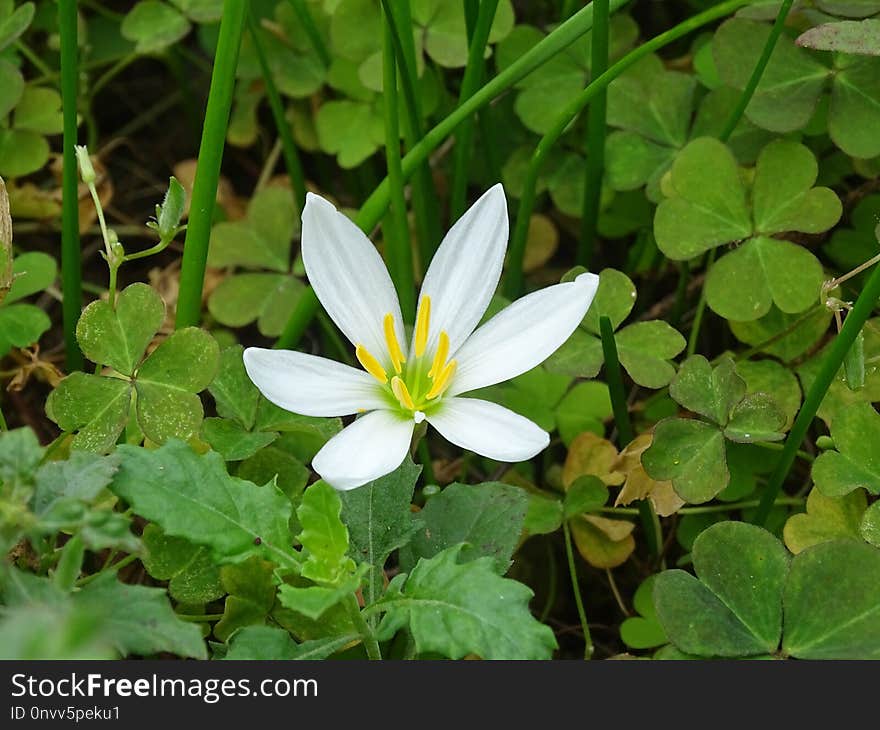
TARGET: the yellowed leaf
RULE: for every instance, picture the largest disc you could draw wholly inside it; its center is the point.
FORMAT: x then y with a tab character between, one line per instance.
639	485
541	242
603	543
591	454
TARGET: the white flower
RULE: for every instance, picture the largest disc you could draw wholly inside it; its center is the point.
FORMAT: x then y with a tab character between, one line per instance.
399	386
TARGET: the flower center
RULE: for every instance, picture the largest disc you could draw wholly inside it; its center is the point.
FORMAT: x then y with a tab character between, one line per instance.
423	380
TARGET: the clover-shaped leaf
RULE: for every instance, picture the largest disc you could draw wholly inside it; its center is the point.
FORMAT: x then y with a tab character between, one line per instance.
441	25
643	631
850	247
711	392
857	37
786	336
153	26
21	324
855	462
826	518
14	22
734	605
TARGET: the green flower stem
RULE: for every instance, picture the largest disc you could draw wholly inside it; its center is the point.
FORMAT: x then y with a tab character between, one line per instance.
513	282
71	256
302	314
424	197
311	30
576	589
3	426
37	62
596	132
694	335
649	519
360	624
398	250
115	568
198	232
831	363
374	207
291	156
563	36
758	71
473	74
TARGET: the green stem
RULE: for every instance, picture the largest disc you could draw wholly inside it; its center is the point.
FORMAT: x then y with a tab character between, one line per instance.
291	156
694	336
198	232
473	74
311	30
116	567
69	564
425	458
71	256
650	521
758	71
37	62
305	309
200	617
831	363
111	74
424	197
576	589
398	250
596	131
712	508
514	280
361	626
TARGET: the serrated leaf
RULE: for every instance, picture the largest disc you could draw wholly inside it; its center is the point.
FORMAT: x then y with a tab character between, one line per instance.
457	609
251	586
119	337
194	577
324	537
229	439
192	497
267	643
83	477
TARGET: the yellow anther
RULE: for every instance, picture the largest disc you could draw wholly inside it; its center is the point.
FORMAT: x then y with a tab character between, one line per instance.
401	392
393	345
423	319
441	354
370	363
441	381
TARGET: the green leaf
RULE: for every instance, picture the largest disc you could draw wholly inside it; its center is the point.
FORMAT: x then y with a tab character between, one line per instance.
379	519
22	152
711	392
584	408
118	338
456	609
855	463
266	643
139	620
768	376
234	393
708	206
168	381
585	494
855	102
276	462
645	350
194	577
832	602
21	325
643	631
153	26
350	130
790	85
744	284
756	417
580	356
33	272
631	161
39	110
192	497
172	209
251	588
734	606
15	23
12	83
786	336
849	8
262	240
93	406
314	601
229	439
614	299
20	454
691	455
783	195
858	37
487	518
83	477
604	543
201	11
324	537
826	518
240	299
869	528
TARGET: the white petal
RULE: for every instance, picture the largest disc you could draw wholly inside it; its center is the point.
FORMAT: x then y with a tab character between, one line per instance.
349	277
311	385
523	335
371	447
465	270
488	429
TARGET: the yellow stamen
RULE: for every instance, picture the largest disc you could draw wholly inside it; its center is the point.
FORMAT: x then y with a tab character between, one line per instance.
423	319
441	381
441	354
393	345
401	392
370	363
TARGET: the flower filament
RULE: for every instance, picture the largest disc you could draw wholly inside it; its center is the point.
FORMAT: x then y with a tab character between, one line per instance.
418	386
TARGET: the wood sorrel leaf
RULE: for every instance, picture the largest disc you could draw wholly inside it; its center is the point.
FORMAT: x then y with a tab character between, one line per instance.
33	272
711	392
855	463
192	497
826	518
94	406
118	338
457	609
